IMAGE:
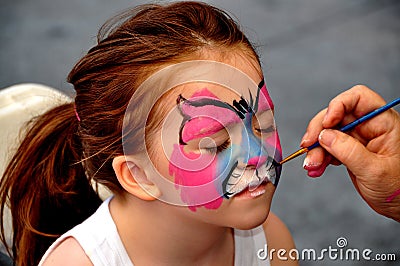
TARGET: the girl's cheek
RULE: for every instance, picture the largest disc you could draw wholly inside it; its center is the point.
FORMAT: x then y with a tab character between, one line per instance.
273	146
226	161
194	176
274	149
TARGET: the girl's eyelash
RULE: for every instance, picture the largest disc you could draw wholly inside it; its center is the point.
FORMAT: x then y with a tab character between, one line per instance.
219	148
223	146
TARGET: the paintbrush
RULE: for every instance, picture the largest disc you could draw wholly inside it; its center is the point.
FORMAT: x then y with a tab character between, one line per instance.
346	128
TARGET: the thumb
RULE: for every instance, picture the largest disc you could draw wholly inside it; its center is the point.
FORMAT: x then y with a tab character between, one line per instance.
347	150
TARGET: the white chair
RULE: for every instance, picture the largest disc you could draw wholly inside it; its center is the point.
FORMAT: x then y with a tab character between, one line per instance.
19	104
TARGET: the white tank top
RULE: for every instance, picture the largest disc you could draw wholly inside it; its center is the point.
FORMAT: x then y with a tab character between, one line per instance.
99	238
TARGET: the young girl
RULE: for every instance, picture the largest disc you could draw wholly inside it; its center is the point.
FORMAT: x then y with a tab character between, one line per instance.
172	115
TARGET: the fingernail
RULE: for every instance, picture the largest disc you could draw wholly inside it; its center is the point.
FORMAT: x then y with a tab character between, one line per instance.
304	140
327	137
326	116
306	162
309	164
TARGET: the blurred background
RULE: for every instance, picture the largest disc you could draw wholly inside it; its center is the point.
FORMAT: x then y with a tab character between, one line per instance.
311	51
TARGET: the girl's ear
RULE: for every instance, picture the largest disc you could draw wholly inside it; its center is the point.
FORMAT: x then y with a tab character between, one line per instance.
134	180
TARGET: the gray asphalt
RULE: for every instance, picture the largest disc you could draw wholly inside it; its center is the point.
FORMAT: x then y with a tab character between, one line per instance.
311	50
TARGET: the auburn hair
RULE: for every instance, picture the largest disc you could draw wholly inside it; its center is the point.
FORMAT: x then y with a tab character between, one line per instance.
47	184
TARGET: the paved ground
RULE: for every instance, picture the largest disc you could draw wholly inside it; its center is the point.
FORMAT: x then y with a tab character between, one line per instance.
311	51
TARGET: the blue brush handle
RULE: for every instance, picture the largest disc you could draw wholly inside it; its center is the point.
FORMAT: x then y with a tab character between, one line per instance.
362	119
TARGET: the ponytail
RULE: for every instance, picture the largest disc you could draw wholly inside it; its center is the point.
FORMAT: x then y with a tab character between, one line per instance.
45	185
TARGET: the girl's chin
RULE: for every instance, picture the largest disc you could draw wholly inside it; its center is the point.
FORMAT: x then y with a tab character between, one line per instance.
251	208
250	220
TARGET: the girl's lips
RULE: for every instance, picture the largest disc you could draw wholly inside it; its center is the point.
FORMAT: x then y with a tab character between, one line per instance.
247	194
266	173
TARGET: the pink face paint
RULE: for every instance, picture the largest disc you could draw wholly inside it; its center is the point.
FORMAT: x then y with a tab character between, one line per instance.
204	93
264	101
272	143
207	119
201	127
203	115
197	188
257	161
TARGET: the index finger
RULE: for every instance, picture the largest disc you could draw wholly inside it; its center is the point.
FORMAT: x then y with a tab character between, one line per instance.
358	101
313	129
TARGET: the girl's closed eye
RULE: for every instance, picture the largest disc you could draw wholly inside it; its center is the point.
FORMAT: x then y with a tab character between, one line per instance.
267	130
263	124
216	149
212	144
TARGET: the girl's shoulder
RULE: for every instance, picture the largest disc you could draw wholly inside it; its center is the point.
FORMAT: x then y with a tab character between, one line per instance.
75	253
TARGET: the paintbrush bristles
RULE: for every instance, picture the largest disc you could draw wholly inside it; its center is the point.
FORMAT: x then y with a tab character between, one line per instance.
294	155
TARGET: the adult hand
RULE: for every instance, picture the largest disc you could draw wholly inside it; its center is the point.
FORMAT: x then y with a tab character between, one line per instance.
371	151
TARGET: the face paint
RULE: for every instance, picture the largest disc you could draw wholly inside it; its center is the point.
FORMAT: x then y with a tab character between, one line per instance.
204	115
264	102
227	169
273	142
171	158
255	163
190	181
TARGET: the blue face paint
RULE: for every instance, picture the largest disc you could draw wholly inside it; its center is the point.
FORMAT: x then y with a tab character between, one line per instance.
256	152
250	152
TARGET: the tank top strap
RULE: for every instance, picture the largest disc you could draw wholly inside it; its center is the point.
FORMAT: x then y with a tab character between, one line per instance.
249	245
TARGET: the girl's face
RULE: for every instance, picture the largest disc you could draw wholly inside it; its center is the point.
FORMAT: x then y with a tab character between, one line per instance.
227	145
218	146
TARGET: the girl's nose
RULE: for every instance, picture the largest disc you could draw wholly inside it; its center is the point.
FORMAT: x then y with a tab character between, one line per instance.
256	161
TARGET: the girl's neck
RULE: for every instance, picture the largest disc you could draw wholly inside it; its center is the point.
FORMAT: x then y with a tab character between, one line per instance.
154	233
